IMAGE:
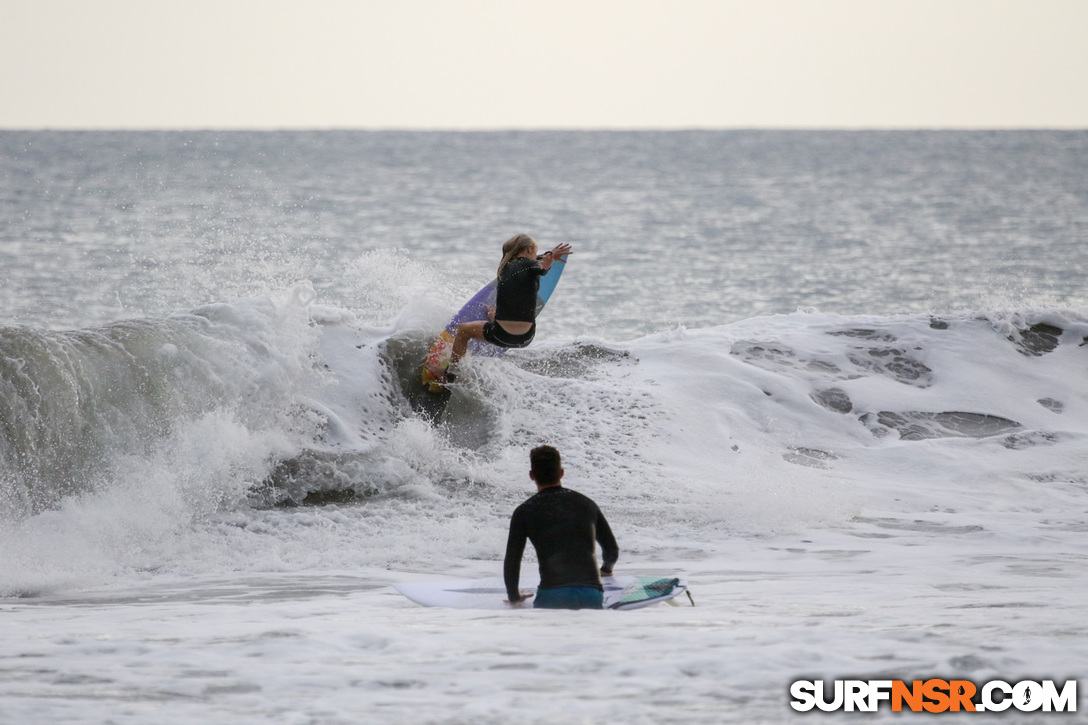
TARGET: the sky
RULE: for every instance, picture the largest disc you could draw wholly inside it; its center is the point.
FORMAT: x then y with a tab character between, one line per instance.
496	64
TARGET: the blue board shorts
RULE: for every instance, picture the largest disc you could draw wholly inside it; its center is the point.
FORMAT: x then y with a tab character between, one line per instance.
494	334
569	598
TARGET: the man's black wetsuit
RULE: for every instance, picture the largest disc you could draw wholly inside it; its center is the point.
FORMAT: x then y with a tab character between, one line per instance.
564	527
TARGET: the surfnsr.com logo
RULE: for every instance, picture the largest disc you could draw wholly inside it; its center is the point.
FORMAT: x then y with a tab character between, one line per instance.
934	695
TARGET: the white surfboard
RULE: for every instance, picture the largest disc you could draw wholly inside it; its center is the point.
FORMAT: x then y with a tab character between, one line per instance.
620	592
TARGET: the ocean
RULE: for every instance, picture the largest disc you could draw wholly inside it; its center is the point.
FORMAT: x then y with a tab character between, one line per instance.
836	380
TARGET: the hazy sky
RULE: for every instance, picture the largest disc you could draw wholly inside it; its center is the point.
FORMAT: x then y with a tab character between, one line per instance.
543	64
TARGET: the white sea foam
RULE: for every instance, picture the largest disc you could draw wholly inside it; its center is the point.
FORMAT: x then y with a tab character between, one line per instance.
871	518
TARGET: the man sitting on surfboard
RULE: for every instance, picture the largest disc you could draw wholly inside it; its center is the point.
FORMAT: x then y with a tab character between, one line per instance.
513	323
564	527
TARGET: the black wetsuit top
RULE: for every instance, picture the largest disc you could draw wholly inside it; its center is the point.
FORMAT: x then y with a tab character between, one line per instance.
564	527
519	284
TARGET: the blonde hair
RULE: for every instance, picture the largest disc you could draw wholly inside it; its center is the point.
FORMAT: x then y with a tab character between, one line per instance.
513	248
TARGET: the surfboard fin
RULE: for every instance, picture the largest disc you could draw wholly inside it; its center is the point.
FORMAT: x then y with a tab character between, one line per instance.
674	603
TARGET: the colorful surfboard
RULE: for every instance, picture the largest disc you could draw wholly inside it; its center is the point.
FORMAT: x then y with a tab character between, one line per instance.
476	309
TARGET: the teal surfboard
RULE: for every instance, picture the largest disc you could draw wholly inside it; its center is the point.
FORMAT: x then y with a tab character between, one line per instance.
620	592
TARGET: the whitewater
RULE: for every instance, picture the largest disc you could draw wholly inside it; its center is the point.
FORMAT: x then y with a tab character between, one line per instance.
836	381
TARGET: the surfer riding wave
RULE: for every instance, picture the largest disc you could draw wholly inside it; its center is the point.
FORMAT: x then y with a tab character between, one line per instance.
512	323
